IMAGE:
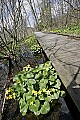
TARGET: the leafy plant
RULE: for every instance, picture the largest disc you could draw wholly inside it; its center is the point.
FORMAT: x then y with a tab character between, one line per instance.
35	88
36	49
33	45
31	40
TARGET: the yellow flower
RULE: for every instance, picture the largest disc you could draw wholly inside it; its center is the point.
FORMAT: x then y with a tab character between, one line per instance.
46	64
53	69
7	98
44	90
7	91
34	92
39	92
26	67
47	69
10	88
18	81
53	90
10	97
14	95
31	103
48	92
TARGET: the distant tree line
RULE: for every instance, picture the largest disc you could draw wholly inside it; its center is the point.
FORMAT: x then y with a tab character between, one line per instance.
55	13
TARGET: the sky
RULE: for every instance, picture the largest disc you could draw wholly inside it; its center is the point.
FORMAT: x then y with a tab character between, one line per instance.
29	12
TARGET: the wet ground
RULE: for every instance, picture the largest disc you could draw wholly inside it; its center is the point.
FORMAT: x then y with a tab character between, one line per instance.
64	111
11	110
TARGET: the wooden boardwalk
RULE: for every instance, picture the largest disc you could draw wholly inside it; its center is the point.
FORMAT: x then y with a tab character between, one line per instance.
64	52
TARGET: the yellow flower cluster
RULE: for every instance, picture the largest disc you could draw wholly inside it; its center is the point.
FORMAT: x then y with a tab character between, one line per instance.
39	92
9	97
26	67
53	90
34	92
43	90
46	91
9	94
8	91
14	95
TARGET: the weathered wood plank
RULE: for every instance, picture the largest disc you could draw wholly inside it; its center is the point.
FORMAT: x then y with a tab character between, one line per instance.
64	52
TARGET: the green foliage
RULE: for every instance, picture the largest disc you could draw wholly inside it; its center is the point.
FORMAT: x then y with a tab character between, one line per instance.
36	49
72	29
33	45
31	40
35	88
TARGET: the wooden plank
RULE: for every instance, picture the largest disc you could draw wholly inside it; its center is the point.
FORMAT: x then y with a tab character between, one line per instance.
64	52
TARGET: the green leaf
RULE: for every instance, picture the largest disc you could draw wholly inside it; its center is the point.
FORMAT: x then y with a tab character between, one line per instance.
37	113
35	106
29	83
30	87
37	76
36	69
45	81
30	75
51	78
20	74
51	83
32	81
42	85
23	107
31	99
41	66
48	64
51	72
58	84
55	75
62	94
42	81
41	97
19	87
15	78
31	70
24	78
45	72
55	96
27	96
45	108
48	98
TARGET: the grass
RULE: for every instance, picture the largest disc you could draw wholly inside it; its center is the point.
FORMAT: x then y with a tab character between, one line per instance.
72	29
